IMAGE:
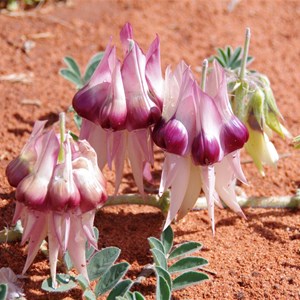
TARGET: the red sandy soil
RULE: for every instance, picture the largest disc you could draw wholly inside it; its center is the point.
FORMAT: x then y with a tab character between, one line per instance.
254	259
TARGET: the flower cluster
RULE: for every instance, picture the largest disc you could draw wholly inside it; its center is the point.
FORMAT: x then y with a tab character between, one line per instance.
119	103
122	103
58	188
201	136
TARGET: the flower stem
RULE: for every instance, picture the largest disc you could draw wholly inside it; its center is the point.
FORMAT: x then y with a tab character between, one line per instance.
15	234
162	202
245	53
62	128
204	74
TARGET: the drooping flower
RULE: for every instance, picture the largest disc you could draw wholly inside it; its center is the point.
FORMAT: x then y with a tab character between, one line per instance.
22	165
254	104
213	136
120	103
58	199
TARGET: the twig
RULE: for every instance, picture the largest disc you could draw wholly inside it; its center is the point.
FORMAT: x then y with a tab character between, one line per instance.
145	273
259	202
18	77
208	271
35	102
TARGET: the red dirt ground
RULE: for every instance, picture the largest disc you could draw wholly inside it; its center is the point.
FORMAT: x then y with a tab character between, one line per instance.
254	259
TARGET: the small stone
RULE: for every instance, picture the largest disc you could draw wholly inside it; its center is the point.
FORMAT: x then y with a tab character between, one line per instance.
240	295
255	274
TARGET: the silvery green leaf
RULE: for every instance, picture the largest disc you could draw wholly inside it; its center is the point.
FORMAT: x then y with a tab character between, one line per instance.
222	55
189	278
159	258
165	274
120	289
65	283
71	76
101	261
138	296
163	291
73	66
82	281
221	61
167	239
89	295
3	291
187	263
68	261
90	250
235	56
156	244
111	277
184	249
92	65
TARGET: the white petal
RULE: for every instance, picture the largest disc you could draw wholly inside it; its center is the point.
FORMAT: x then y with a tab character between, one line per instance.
53	248
179	187
208	178
193	190
225	186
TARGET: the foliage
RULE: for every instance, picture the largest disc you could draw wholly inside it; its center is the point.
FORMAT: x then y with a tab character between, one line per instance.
170	260
111	278
3	291
230	59
73	74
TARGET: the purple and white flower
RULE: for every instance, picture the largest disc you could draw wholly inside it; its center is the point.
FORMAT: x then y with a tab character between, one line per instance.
58	198
120	103
208	138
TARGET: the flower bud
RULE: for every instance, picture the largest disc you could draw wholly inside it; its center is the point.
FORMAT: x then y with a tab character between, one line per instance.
234	135
62	191
171	136
88	101
143	111
261	149
32	190
22	165
91	189
205	149
256	107
19	168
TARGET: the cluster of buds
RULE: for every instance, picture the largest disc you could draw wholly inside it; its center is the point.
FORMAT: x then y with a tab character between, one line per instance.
254	103
119	104
201	137
58	188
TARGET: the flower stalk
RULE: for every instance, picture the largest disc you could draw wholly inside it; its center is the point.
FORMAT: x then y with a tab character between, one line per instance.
204	74
62	129
245	54
12	234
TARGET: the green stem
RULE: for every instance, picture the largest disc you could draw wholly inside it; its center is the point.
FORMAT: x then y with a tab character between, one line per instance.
245	53
204	74
259	202
10	235
163	202
62	128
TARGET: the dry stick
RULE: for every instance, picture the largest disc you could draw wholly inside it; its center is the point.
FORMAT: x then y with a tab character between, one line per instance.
147	271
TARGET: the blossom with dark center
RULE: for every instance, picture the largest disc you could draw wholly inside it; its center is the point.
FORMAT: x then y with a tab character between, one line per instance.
210	159
120	103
